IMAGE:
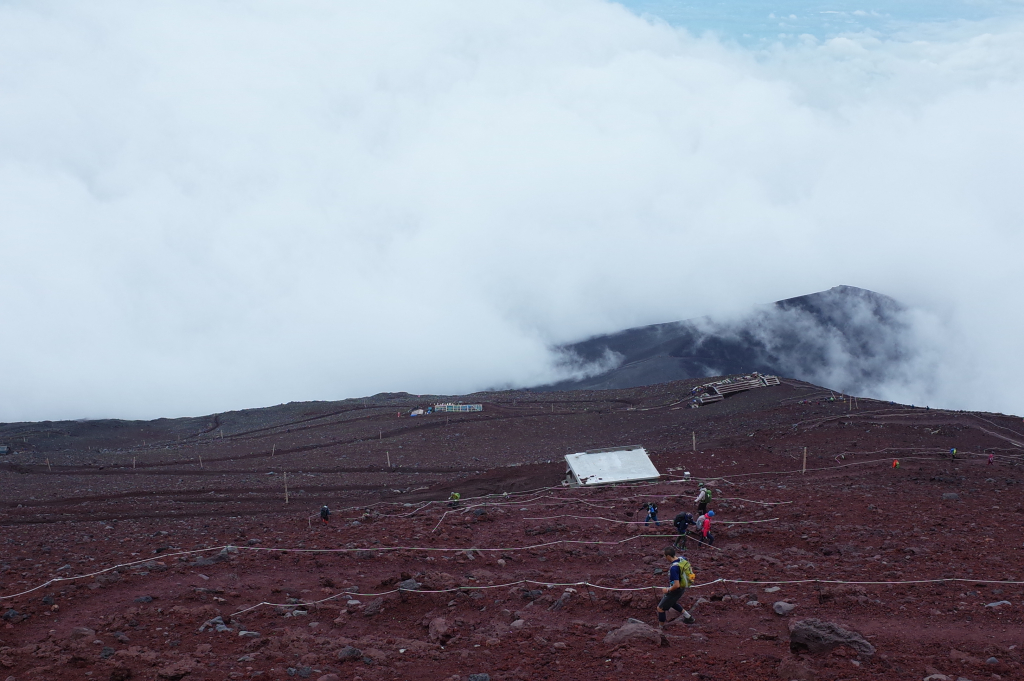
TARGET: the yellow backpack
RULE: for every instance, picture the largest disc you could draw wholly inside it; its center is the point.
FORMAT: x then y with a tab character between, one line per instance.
686	576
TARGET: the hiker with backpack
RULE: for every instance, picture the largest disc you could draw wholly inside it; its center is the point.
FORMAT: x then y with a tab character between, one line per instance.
703	498
325	514
704	529
680	576
652	514
682	523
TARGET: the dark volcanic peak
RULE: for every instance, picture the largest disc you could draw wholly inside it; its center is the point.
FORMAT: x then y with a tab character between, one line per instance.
847	337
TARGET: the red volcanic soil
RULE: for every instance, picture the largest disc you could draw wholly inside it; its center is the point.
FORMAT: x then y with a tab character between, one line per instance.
526	579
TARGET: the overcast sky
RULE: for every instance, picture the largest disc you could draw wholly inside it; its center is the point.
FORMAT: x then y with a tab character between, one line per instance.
215	205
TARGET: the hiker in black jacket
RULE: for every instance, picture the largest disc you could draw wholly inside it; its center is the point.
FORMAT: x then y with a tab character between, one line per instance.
682	523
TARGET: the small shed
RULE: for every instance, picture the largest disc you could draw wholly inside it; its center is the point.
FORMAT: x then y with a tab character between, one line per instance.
605	466
458	408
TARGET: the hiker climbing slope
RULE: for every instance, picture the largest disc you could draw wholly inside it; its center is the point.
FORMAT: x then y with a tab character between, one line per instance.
652	514
682	523
704	529
680	576
703	498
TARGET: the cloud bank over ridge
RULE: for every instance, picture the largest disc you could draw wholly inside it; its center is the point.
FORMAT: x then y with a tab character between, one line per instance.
213	206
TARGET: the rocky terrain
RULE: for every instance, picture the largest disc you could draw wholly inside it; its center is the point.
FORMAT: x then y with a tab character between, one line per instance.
171	549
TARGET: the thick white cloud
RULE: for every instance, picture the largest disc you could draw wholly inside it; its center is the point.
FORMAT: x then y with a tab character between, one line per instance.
207	206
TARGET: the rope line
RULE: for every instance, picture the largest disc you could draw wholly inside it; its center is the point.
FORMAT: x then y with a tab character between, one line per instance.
640	522
270	549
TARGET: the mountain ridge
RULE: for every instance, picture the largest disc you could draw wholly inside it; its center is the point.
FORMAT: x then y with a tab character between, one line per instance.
859	334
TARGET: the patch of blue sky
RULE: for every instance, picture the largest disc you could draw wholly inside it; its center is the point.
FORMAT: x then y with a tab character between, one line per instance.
754	22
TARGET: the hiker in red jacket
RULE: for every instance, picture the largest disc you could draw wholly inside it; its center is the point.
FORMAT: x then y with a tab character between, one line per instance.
704	527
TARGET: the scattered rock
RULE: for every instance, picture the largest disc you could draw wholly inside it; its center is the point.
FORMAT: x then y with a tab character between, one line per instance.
224	554
14	616
177	670
121	637
217	624
349	654
144	599
304	672
791	670
992	660
408	585
438	630
783	608
635	631
79	633
998	604
951	496
961	656
517	625
478	677
772	589
560	603
329	677
249	634
937	677
107	653
374	607
815	636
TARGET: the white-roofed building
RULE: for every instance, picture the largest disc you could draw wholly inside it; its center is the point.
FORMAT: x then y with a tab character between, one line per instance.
610	465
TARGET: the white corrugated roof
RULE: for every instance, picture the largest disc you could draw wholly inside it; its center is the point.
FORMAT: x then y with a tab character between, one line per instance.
615	464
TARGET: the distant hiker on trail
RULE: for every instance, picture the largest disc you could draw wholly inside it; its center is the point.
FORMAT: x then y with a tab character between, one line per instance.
680	576
652	514
453	499
952	453
895	463
991	458
325	514
704	529
682	523
703	498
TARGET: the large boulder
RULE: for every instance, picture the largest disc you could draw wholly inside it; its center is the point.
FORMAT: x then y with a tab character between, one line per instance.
815	636
782	608
635	631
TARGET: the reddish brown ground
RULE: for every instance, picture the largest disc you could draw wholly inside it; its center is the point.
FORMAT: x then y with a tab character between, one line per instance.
88	509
